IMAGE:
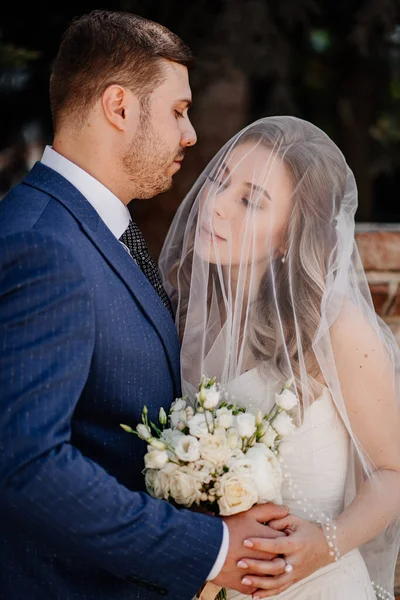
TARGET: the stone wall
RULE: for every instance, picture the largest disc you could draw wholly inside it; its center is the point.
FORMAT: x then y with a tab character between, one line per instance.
379	246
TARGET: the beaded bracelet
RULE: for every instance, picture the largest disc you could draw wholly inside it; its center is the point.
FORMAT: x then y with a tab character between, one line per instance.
329	529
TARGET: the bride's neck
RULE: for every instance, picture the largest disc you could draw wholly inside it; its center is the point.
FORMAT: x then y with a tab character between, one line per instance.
243	287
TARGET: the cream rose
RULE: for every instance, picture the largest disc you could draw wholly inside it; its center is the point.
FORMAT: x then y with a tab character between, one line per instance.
184	487
224	417
214	447
156	459
236	494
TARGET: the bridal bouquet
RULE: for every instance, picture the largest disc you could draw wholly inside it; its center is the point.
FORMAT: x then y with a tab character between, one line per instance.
213	453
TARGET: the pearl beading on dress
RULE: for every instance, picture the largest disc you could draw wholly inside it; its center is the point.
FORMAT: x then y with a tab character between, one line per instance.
328	525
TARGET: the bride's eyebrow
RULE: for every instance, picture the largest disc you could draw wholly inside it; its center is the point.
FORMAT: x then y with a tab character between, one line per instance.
257	188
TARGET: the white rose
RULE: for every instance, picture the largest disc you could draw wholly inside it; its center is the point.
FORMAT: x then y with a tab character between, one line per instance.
188	448
171	436
176	417
157	481
269	435
286	400
237	494
178	405
156	459
184	487
209	398
245	425
233	438
283	424
143	432
198	424
224	417
214	447
266	474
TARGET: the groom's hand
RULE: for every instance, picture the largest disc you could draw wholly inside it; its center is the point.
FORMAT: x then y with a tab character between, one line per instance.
241	527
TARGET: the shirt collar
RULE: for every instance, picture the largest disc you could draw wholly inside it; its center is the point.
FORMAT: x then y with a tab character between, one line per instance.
109	208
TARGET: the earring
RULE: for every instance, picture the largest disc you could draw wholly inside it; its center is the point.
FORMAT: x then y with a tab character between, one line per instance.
283	259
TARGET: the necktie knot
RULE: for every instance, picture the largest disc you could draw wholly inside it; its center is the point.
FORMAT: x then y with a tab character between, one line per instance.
134	240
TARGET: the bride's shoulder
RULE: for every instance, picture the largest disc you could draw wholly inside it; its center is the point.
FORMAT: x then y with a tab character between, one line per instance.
356	335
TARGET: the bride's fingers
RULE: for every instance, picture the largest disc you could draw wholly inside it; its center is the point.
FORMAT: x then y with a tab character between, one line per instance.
271	584
270	594
281	545
263	567
281	524
265	512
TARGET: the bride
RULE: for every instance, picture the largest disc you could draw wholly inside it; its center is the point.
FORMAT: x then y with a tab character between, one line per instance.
262	268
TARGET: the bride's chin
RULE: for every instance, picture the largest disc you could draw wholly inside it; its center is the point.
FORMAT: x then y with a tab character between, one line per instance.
205	253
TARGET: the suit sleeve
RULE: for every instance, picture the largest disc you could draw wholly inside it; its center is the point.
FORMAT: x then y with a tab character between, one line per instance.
46	346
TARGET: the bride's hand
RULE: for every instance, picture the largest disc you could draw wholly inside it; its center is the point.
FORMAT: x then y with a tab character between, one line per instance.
304	548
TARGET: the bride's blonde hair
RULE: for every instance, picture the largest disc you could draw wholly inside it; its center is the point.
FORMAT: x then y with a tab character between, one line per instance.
319	184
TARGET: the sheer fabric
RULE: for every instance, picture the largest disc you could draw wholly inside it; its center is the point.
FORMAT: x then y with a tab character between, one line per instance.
264	276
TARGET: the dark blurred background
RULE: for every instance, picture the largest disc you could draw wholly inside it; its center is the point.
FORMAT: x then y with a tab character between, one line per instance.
333	62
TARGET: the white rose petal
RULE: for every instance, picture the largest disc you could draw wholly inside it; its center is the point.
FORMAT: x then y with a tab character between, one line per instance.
269	435
246	425
212	399
214	447
143	432
157	481
233	438
176	417
283	424
178	405
286	400
266	473
198	424
188	448
237	494
156	459
224	417
171	436
184	487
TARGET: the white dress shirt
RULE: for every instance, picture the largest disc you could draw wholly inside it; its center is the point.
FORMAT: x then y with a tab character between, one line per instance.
116	217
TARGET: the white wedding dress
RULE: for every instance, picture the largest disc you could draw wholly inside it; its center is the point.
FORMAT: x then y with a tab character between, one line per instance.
320	446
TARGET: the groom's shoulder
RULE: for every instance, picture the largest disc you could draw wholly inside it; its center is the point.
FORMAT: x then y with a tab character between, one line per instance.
27	206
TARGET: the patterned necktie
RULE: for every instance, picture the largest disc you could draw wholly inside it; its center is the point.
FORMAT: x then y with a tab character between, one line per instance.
135	242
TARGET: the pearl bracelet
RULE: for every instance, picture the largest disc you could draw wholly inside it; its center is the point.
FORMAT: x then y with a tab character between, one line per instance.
329	529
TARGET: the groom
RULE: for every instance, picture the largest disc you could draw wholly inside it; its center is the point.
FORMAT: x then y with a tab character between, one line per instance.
87	338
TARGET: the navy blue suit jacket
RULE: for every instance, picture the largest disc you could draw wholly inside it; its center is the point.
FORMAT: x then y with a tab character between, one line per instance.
85	342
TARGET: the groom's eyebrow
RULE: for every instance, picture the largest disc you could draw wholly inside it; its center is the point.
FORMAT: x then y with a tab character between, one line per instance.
257	188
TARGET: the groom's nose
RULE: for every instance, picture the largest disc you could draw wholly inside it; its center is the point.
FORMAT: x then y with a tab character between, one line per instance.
188	137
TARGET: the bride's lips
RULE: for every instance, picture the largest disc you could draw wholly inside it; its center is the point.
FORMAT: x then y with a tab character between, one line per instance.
206	230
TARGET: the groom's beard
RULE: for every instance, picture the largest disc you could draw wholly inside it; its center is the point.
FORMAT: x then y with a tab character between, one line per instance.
147	161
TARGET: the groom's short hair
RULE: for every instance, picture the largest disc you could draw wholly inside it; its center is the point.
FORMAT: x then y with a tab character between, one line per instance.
103	48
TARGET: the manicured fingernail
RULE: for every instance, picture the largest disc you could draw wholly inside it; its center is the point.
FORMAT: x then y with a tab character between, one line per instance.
242	565
248	544
246	581
256	597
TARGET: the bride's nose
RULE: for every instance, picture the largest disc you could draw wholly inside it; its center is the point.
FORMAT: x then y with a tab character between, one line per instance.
222	205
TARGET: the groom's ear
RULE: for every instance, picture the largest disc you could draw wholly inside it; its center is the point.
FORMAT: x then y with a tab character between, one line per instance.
121	107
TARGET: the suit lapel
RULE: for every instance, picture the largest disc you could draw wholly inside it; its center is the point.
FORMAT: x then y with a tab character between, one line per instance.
50	182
